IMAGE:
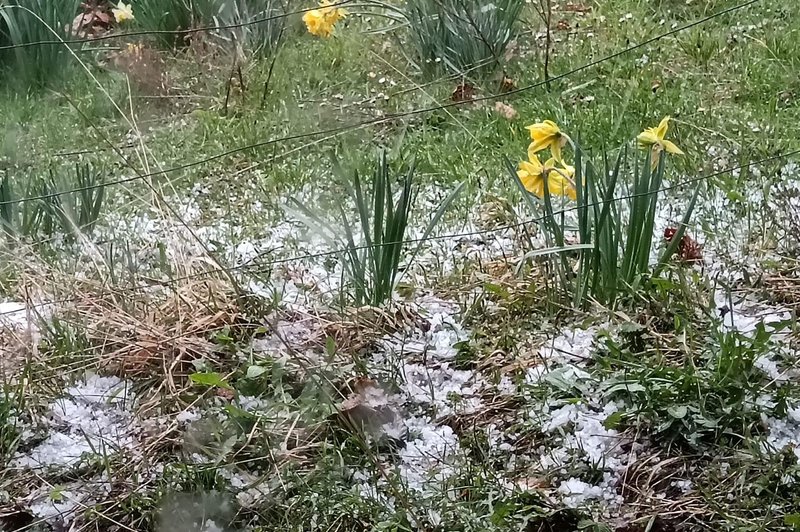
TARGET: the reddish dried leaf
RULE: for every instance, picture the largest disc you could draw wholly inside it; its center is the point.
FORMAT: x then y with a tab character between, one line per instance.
688	248
507	84
465	92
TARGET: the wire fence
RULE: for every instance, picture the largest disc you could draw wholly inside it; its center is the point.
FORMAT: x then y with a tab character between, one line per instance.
335	131
260	267
257	266
143	33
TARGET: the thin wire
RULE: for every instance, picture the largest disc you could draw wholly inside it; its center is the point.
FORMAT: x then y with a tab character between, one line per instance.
534	220
263	267
441	79
374	121
166	32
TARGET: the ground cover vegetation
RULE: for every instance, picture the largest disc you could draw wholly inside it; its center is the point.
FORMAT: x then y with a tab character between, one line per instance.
440	265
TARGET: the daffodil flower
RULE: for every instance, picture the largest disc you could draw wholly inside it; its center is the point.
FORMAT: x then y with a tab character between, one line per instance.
534	175
316	23
547	134
122	12
320	22
333	14
653	138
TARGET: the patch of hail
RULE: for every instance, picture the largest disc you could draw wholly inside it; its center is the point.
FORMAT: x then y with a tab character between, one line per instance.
746	314
93	418
60	506
19	332
783	433
579	438
428	390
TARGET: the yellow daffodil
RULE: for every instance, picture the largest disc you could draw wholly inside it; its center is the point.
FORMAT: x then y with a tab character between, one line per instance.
333	14
653	138
320	22
316	24
547	134
534	174
122	12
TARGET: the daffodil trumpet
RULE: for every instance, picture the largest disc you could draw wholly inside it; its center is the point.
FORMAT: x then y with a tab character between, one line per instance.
653	138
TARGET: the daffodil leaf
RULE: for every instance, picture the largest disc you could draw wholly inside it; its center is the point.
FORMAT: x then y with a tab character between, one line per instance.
677	411
253	372
213	380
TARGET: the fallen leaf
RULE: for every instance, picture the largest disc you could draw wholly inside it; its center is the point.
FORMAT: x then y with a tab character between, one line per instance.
505	110
507	84
577	8
655	85
464	92
688	248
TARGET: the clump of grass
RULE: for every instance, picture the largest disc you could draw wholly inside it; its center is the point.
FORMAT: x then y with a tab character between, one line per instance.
9	435
65	203
171	17
619	259
260	25
373	248
74	213
19	218
463	37
23	22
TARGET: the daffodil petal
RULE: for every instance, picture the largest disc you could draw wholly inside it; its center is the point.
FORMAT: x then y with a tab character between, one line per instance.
655	156
543	130
555	149
670	147
663	126
558	185
537	134
536	147
647	137
532	183
552	126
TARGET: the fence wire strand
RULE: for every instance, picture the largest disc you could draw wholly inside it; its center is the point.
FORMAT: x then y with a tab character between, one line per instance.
142	33
262	267
387	118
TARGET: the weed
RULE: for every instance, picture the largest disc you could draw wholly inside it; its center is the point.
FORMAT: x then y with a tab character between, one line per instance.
261	25
463	37
707	400
29	21
19	218
171	17
73	214
9	435
373	259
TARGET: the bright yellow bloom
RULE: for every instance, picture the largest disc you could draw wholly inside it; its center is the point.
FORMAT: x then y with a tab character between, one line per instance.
122	12
534	175
317	24
653	138
333	14
547	134
320	22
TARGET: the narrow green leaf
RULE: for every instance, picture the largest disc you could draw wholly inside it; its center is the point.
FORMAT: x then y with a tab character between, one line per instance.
672	247
253	372
213	380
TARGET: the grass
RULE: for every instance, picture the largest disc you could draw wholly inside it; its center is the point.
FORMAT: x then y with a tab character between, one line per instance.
275	430
175	16
464	38
29	21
